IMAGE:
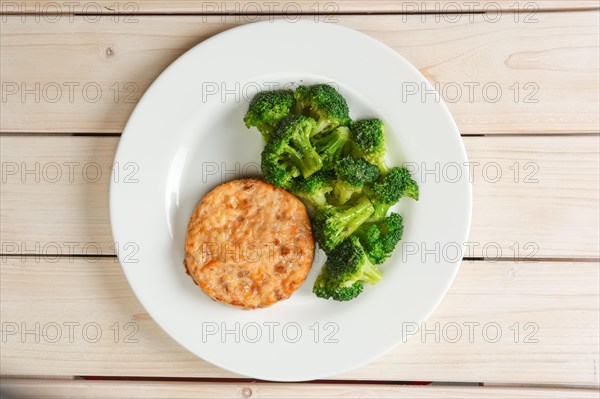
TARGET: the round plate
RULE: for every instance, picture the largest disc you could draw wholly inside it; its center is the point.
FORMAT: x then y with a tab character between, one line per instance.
186	136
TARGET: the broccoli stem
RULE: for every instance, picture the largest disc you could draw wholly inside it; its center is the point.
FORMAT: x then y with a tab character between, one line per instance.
316	199
383	168
381	211
322	125
353	217
319	198
305	158
371	274
265	135
412	191
342	192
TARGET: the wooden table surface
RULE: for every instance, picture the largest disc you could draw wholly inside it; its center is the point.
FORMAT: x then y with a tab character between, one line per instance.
522	80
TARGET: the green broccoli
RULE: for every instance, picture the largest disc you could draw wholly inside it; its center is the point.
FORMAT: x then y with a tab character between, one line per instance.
315	188
380	238
368	141
290	141
348	263
330	146
326	287
276	170
267	108
353	174
389	188
332	224
323	103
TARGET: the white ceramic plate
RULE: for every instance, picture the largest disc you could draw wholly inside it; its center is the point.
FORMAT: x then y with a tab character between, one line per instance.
186	136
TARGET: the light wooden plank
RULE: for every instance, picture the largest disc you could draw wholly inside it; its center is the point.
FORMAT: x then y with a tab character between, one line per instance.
547	70
43	389
546	201
560	299
115	7
57	202
551	210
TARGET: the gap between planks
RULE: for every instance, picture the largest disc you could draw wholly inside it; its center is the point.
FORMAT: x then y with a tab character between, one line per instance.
291	14
39	389
100	134
310	7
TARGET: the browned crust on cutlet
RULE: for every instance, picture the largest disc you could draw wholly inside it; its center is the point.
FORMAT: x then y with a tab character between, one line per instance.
249	244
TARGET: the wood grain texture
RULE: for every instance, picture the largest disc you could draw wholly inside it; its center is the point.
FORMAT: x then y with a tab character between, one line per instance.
115	7
43	389
560	299
544	203
535	76
546	196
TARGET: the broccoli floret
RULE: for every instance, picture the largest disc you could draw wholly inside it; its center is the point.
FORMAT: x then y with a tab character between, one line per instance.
315	188
290	141
353	174
323	103
346	269
348	263
330	146
389	188
334	224
380	238
369	141
326	288
267	108
276	170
